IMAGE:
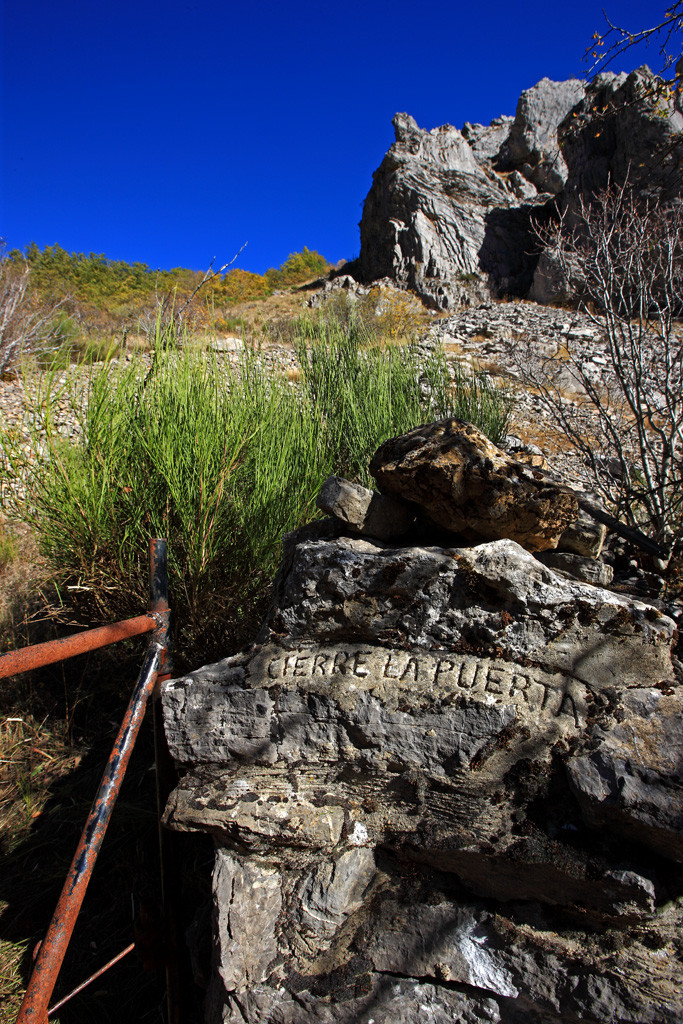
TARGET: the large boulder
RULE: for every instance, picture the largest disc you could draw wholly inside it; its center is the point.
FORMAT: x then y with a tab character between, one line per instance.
467	485
414	783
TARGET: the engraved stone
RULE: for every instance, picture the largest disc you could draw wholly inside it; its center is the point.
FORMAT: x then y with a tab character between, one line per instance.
438	769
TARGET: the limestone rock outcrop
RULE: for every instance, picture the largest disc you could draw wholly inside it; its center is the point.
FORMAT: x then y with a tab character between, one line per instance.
450	214
444	784
438	222
532	146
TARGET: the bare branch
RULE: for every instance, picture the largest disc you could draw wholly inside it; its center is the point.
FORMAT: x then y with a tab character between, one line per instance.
607	46
167	318
26	324
624	259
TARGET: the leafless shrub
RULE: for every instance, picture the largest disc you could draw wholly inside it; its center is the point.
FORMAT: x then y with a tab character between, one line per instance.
26	325
627	254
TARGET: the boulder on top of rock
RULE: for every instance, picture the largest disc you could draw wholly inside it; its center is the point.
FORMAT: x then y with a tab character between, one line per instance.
467	485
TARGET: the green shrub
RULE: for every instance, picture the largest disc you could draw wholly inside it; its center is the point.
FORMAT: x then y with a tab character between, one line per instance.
8	547
367	392
221	462
298	267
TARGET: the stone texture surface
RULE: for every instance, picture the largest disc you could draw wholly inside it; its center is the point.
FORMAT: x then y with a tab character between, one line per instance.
467	485
492	600
622	127
444	785
631	782
442	224
366	512
450	213
532	145
485	141
584	537
590	570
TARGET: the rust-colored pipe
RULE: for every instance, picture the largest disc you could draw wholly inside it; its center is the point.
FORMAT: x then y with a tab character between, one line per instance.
58	650
34	1006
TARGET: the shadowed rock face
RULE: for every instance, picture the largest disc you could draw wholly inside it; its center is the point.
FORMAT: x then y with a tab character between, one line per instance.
450	214
444	785
429	216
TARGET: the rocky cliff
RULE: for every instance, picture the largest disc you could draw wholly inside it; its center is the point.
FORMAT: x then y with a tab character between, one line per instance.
450	213
445	783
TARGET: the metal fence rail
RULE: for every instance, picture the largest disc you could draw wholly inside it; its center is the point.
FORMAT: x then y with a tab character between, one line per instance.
155	668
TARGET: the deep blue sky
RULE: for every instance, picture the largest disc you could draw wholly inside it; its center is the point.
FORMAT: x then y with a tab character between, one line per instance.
173	132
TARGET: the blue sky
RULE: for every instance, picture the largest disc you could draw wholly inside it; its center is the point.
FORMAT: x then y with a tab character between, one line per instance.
174	132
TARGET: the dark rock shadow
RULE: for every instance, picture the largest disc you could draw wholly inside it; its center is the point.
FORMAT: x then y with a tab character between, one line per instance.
510	251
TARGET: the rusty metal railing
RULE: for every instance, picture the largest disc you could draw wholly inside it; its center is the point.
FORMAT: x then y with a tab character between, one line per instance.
155	669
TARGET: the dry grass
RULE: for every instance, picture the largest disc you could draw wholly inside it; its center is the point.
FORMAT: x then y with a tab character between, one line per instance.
23	572
256	315
33	755
12	954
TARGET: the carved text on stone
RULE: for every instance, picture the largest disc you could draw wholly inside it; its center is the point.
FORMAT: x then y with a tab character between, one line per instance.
553	694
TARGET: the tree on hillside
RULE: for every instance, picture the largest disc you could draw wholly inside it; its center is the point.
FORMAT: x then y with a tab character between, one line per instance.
26	323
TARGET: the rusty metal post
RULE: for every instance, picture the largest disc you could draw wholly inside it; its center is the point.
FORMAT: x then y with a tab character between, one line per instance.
166	779
49	960
39	655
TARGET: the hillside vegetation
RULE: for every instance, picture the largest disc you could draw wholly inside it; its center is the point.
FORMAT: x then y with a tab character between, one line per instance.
94	297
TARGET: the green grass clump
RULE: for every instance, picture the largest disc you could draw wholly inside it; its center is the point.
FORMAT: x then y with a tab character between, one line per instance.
367	391
8	547
222	461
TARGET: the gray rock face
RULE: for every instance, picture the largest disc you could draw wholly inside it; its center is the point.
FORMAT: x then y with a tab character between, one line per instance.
532	146
590	570
492	600
444	785
486	141
583	537
622	128
632	781
440	223
449	214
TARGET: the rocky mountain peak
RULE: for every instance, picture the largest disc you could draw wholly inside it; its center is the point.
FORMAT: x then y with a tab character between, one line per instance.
451	213
444	146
